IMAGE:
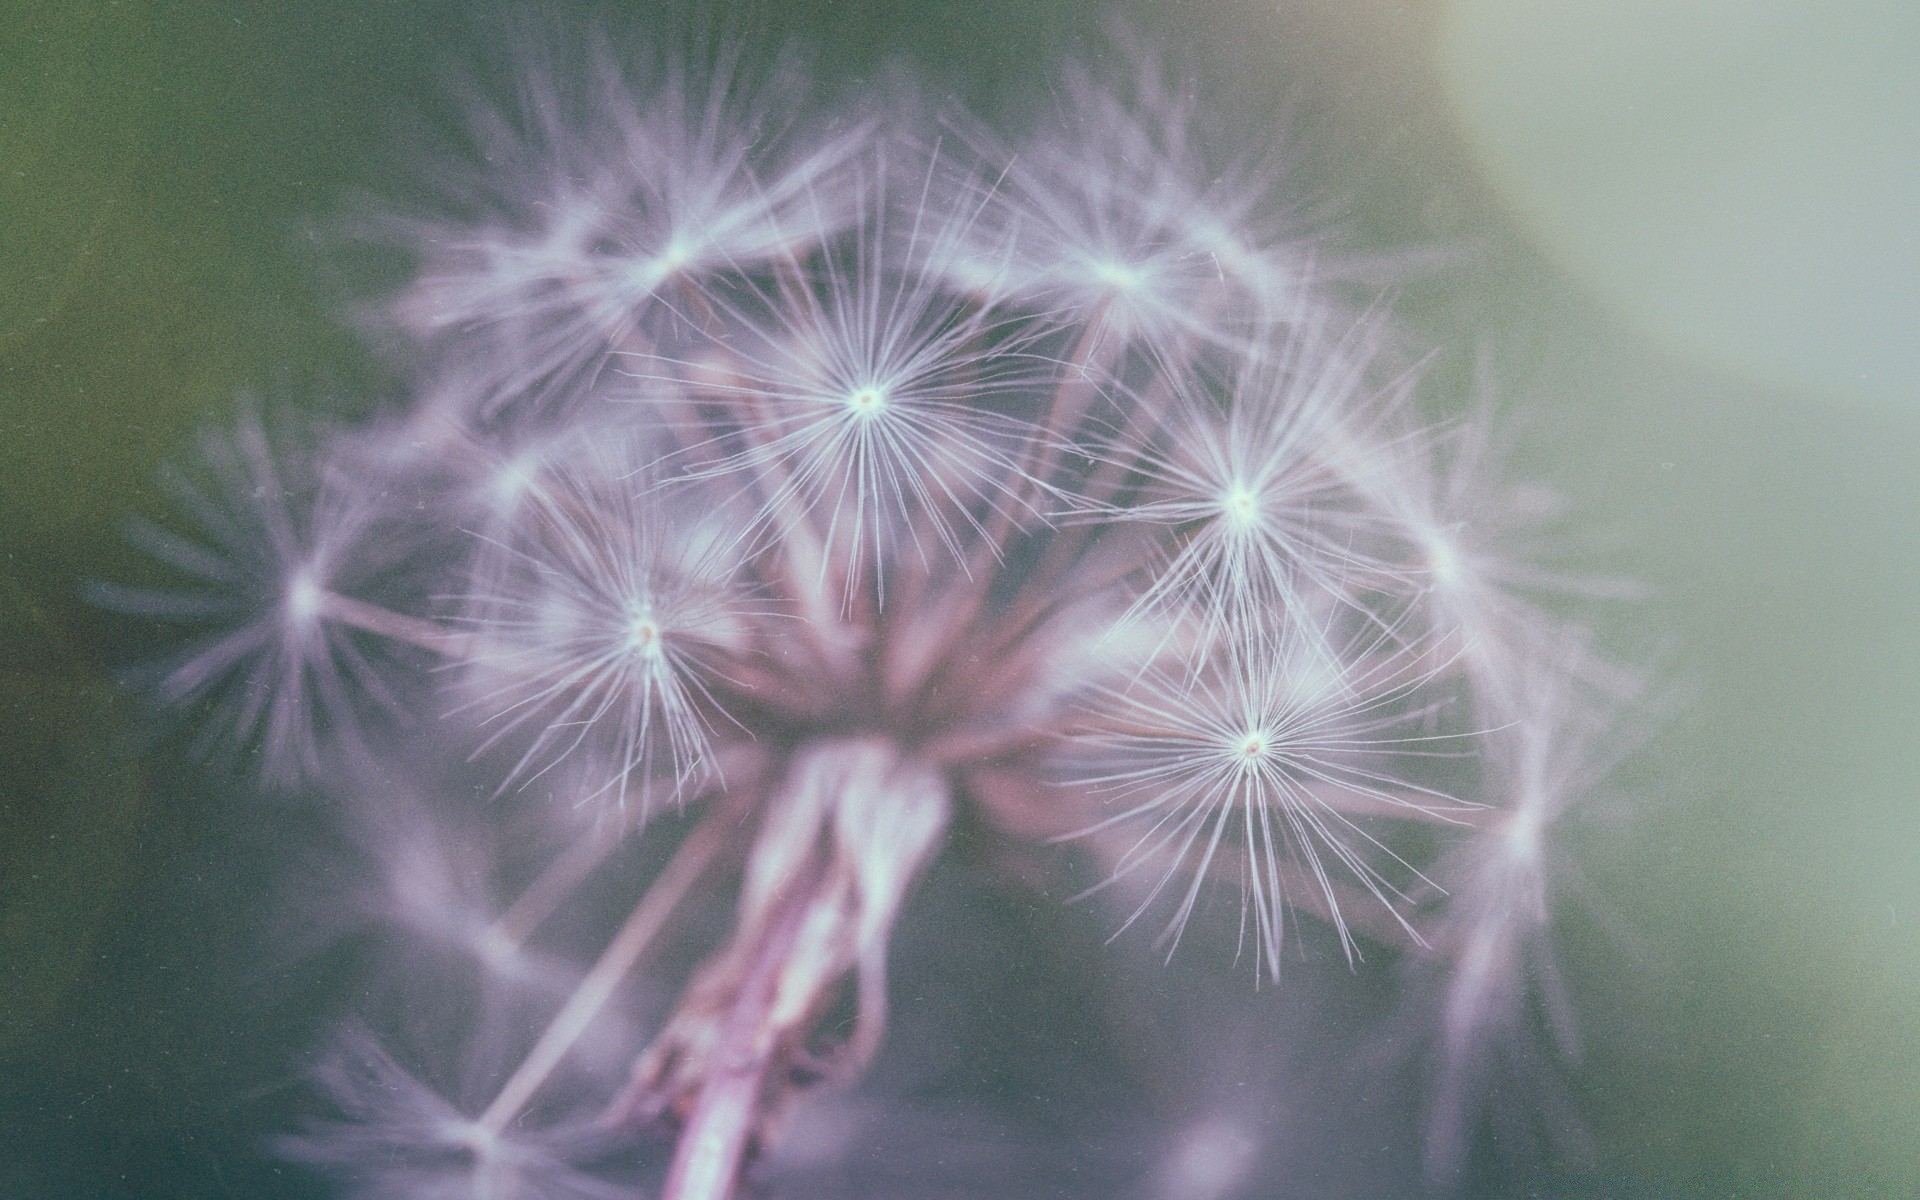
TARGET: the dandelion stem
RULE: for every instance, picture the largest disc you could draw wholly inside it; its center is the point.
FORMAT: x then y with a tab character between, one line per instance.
553	885
549	889
689	862
415	631
726	1113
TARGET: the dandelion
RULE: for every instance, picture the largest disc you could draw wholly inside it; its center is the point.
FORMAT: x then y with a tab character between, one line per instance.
1277	752
787	489
1122	209
402	1138
611	190
600	610
1237	472
865	395
279	556
1495	982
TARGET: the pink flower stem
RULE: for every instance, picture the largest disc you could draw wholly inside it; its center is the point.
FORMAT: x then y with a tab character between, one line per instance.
727	1111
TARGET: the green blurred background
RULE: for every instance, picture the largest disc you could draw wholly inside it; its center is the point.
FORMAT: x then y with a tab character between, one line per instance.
1684	237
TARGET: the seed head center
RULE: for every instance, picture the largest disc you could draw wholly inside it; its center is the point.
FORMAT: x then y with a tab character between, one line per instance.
1443	561
475	1138
1522	834
868	401
674	255
304	598
1118	276
643	636
1240	507
513	480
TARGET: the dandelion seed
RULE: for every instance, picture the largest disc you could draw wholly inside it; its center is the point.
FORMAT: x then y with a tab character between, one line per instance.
401	1139
870	407
606	618
1119	210
1274	752
282	540
569	242
1260	520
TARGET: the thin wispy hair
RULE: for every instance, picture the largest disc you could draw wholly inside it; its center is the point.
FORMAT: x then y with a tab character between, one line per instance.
604	616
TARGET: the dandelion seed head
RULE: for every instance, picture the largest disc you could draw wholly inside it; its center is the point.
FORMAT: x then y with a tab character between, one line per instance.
1039	487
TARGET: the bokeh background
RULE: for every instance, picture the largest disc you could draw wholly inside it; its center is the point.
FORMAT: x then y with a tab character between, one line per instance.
1682	238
